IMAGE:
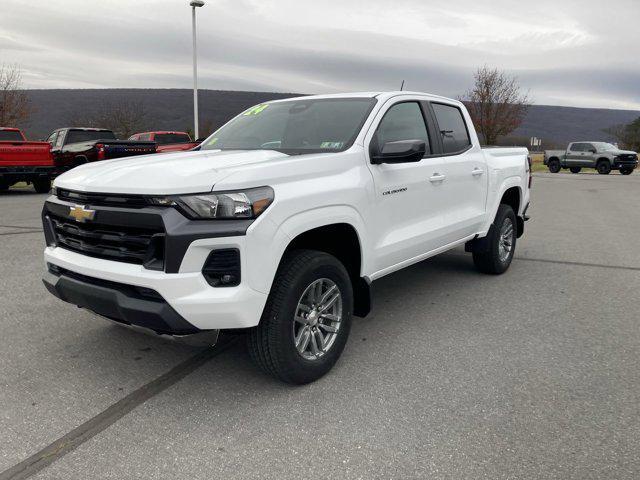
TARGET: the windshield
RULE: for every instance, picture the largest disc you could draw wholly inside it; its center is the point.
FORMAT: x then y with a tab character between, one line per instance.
295	127
603	147
77	136
166	138
10	136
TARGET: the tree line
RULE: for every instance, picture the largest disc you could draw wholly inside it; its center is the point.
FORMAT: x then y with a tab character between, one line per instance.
496	103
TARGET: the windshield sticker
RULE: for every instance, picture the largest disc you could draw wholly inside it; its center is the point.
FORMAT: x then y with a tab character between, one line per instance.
334	145
213	141
256	110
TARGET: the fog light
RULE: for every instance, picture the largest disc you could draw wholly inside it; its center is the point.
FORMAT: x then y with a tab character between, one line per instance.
222	268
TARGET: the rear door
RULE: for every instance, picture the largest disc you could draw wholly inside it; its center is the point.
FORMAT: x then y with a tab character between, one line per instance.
465	197
575	155
409	196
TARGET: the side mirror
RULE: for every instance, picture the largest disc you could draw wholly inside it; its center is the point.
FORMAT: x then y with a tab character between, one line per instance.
593	150
401	151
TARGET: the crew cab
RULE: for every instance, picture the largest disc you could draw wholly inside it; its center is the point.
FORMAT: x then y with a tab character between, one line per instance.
279	222
167	141
75	146
602	156
24	161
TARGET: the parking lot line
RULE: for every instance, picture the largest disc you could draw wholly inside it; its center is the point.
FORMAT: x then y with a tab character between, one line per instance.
76	437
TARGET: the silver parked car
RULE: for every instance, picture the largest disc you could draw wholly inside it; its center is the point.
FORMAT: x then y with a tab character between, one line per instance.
602	156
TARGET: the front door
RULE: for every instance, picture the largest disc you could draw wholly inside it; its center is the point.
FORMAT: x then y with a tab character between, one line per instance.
409	196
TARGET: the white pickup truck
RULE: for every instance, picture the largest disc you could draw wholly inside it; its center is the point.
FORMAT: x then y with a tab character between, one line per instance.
277	226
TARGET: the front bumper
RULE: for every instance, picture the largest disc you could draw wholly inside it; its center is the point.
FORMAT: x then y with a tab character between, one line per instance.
122	303
188	302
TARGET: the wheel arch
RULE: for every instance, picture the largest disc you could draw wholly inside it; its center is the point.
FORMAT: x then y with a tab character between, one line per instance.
337	230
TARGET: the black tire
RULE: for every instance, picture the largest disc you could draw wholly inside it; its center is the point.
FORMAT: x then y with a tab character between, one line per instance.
271	344
490	260
575	169
42	185
603	167
554	165
626	171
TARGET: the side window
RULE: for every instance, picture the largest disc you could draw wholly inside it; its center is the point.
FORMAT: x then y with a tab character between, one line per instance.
453	130
589	148
145	137
59	140
52	138
577	147
403	121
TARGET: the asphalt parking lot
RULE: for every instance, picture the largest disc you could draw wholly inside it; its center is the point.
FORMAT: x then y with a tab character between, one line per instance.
455	375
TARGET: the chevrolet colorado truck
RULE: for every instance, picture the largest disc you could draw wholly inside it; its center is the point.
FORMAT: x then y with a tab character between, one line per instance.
24	161
277	225
75	146
602	156
167	141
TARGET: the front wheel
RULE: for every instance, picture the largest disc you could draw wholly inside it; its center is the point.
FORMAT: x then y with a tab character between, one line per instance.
306	322
501	243
626	171
575	169
42	185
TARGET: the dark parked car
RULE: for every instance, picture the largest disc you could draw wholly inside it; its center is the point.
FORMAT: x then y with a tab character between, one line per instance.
74	146
168	141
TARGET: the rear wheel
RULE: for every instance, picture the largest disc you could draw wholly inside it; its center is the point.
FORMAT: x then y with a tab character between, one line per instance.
554	165
575	169
603	167
42	185
626	171
501	239
307	319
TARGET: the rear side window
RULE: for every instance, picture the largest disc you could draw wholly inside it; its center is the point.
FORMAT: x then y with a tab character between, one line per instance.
453	129
577	147
403	121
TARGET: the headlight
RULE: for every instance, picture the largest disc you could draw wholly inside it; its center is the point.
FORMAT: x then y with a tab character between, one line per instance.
239	204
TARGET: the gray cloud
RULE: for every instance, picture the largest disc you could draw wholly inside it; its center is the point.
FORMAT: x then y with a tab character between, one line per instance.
581	53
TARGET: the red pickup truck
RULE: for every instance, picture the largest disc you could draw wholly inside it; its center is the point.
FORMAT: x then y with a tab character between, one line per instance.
24	161
167	141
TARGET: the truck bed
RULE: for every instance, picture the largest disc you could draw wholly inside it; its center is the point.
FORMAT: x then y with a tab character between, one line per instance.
25	154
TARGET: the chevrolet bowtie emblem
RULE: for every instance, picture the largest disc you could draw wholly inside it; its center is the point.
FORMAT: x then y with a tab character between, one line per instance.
81	214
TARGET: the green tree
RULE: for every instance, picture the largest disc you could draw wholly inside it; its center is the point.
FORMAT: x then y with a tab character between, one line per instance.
627	136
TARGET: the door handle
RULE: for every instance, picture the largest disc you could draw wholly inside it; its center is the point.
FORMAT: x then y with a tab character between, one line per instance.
436	177
477	171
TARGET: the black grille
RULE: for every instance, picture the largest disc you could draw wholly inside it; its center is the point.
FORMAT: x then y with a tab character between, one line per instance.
102	199
144	246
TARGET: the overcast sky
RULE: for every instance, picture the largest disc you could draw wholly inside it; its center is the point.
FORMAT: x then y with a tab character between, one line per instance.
582	53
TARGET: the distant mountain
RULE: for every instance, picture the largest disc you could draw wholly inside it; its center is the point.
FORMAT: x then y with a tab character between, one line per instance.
171	109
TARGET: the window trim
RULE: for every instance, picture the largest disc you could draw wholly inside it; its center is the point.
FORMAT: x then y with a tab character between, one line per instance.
425	119
437	129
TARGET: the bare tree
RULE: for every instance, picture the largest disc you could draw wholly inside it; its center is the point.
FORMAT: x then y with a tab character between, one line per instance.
15	107
627	136
496	104
123	117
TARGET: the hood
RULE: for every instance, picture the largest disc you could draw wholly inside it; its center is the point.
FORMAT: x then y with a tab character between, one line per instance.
622	152
162	174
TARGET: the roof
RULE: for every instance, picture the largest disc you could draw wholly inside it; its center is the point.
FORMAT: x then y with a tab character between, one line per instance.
10	129
382	95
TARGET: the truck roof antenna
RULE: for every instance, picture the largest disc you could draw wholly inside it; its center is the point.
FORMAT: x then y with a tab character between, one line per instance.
402	85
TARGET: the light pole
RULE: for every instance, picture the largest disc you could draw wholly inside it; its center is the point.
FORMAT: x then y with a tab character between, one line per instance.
194	4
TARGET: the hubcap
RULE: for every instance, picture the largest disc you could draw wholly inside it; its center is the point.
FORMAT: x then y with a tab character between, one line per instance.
505	242
317	319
